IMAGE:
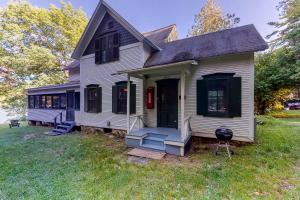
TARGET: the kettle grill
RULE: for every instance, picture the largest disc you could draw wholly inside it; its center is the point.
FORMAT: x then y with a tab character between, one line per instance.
224	135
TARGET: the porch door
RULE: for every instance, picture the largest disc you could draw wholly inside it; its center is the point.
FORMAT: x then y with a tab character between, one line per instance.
167	103
70	112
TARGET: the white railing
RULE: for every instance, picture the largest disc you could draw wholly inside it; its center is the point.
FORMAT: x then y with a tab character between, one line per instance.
187	129
138	122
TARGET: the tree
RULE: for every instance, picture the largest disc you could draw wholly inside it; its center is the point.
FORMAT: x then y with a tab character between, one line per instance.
275	73
35	43
211	19
288	28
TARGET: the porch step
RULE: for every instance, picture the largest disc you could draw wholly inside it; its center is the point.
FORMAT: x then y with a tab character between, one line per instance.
146	154
153	141
153	146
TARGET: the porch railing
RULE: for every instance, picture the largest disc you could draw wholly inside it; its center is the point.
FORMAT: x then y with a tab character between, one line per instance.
187	129
60	119
138	121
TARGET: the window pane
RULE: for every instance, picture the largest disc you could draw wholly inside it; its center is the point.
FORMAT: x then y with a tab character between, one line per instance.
55	102
31	102
63	101
43	102
77	101
122	99
48	102
36	101
92	96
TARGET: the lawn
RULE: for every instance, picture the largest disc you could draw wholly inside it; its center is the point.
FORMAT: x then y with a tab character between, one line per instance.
77	166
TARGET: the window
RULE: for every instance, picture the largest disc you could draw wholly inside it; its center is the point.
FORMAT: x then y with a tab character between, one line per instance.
77	100
36	101
55	102
219	95
92	99
107	48
30	101
119	98
48	101
43	102
63	101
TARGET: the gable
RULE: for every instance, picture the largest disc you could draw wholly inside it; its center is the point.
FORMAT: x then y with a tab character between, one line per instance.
126	38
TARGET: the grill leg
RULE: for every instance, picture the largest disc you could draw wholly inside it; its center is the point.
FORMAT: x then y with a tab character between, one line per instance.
227	147
217	149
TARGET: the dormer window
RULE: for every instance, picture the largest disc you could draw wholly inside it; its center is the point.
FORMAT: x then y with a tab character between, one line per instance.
107	48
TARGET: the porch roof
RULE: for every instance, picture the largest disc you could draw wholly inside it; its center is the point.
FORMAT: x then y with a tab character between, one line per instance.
58	86
159	70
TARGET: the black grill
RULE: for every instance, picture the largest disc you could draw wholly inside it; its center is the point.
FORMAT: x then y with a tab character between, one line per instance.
224	135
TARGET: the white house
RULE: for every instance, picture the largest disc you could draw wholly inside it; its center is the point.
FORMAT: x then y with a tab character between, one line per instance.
157	88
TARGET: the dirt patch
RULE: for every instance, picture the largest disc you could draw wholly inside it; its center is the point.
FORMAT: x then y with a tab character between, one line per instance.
29	136
180	161
285	185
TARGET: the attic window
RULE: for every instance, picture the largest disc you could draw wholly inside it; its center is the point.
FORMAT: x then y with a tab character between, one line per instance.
107	48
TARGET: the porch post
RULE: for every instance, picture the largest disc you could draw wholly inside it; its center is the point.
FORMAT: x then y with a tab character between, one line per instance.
128	104
182	91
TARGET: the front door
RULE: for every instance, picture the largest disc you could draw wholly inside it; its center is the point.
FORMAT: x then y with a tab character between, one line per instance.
167	103
70	112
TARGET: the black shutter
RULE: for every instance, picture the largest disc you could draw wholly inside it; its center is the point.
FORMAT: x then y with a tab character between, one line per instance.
116	42
86	100
98	54
114	99
235	99
99	100
132	99
202	100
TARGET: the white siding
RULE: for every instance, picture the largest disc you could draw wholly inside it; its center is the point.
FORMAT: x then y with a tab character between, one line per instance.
74	74
44	115
242	66
131	57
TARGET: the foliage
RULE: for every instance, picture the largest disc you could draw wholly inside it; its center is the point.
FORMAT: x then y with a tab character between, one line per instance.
211	19
275	73
82	166
288	28
35	43
288	114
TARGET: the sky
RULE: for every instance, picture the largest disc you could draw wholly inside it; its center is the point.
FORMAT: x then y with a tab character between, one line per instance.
147	15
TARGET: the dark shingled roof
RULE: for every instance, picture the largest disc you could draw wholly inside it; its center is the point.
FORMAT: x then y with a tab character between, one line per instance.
73	65
159	36
230	41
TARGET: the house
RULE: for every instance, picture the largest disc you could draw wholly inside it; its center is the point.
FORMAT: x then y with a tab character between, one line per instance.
156	88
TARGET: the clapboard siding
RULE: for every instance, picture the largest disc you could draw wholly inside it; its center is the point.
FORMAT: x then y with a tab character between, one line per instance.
131	57
74	74
242	66
44	115
126	38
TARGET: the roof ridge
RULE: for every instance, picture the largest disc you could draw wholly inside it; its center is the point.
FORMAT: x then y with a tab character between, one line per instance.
211	33
159	29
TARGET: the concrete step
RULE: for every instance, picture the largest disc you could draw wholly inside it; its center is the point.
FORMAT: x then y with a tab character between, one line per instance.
146	154
65	127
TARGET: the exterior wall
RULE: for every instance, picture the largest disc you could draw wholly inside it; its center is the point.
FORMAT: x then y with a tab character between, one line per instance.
48	115
74	75
125	37
131	57
242	66
243	127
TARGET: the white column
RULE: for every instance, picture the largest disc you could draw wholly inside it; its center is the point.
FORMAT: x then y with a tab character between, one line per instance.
182	91
128	104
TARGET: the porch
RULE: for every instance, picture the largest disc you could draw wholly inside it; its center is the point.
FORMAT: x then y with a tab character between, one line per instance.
166	127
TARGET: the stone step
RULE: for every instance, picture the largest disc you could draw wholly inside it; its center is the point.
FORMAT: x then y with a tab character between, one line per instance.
146	153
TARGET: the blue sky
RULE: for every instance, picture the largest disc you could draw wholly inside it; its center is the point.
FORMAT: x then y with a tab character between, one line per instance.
147	15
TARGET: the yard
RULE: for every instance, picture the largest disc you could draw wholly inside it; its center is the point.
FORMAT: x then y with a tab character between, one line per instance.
35	166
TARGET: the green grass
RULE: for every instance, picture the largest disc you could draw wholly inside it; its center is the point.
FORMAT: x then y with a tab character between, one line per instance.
95	167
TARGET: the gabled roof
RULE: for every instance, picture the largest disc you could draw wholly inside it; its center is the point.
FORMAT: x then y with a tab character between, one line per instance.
75	64
160	36
231	41
100	11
